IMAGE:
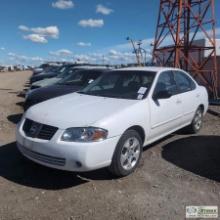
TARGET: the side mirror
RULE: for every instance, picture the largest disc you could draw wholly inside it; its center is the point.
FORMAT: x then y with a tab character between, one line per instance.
162	95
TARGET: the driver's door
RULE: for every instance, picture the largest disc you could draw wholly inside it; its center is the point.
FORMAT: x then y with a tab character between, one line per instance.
165	114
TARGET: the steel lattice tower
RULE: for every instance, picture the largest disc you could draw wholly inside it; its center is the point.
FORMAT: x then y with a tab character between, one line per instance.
180	24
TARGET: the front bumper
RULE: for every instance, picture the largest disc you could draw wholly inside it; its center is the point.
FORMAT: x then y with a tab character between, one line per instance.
61	155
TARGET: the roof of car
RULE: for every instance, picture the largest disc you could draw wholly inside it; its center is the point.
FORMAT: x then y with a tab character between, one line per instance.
89	67
94	69
148	68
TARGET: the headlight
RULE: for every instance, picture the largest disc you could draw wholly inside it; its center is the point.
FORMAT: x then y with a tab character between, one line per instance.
89	134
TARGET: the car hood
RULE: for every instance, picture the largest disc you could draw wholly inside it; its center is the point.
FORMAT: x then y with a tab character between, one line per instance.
49	92
47	82
43	76
76	110
45	73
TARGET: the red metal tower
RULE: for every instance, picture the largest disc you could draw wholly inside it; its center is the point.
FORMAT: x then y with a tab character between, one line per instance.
181	23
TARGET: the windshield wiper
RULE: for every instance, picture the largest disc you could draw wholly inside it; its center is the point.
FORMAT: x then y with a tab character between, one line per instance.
111	96
101	95
80	92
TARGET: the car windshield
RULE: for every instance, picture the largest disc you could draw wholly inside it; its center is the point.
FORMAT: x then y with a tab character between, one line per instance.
80	77
66	71
63	71
54	68
121	84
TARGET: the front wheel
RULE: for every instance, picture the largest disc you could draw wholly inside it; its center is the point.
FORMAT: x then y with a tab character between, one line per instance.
127	154
197	122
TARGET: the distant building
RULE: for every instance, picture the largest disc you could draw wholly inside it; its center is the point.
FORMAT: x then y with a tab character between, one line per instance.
203	55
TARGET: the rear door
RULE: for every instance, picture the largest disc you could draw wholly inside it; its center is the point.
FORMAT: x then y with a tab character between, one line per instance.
188	95
165	114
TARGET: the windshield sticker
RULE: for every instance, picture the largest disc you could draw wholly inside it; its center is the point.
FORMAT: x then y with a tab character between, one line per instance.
140	97
142	90
91	80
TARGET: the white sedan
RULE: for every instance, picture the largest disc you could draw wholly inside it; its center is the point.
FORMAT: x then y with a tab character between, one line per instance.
108	123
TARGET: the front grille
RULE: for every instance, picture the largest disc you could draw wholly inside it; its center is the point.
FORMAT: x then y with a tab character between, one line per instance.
47	132
37	130
57	161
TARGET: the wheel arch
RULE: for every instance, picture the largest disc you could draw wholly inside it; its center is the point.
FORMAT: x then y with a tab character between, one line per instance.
201	106
139	130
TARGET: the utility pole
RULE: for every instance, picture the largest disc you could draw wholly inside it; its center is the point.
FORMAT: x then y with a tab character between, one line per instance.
135	51
138	50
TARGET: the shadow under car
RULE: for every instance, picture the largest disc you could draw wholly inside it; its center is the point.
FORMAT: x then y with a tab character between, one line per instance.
16	168
197	154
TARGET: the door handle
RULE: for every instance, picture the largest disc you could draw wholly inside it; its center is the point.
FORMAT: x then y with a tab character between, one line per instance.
178	102
197	95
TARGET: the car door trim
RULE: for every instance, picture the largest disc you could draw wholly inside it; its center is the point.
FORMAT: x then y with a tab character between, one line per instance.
166	122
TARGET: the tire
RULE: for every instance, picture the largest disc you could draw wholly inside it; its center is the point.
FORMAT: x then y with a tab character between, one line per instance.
197	122
127	154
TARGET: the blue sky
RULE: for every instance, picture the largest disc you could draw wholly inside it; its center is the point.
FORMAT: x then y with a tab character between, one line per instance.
34	30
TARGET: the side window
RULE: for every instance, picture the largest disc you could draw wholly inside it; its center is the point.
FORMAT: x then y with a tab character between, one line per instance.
166	82
184	82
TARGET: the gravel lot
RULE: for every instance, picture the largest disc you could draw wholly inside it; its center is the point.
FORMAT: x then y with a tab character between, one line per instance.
175	172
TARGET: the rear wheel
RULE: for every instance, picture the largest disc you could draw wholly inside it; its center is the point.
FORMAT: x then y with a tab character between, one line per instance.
197	122
127	154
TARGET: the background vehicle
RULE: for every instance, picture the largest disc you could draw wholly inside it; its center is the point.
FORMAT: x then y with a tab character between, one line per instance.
66	70
44	67
44	77
48	73
73	82
108	123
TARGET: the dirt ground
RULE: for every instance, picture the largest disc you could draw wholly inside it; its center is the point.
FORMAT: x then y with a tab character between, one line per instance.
175	172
